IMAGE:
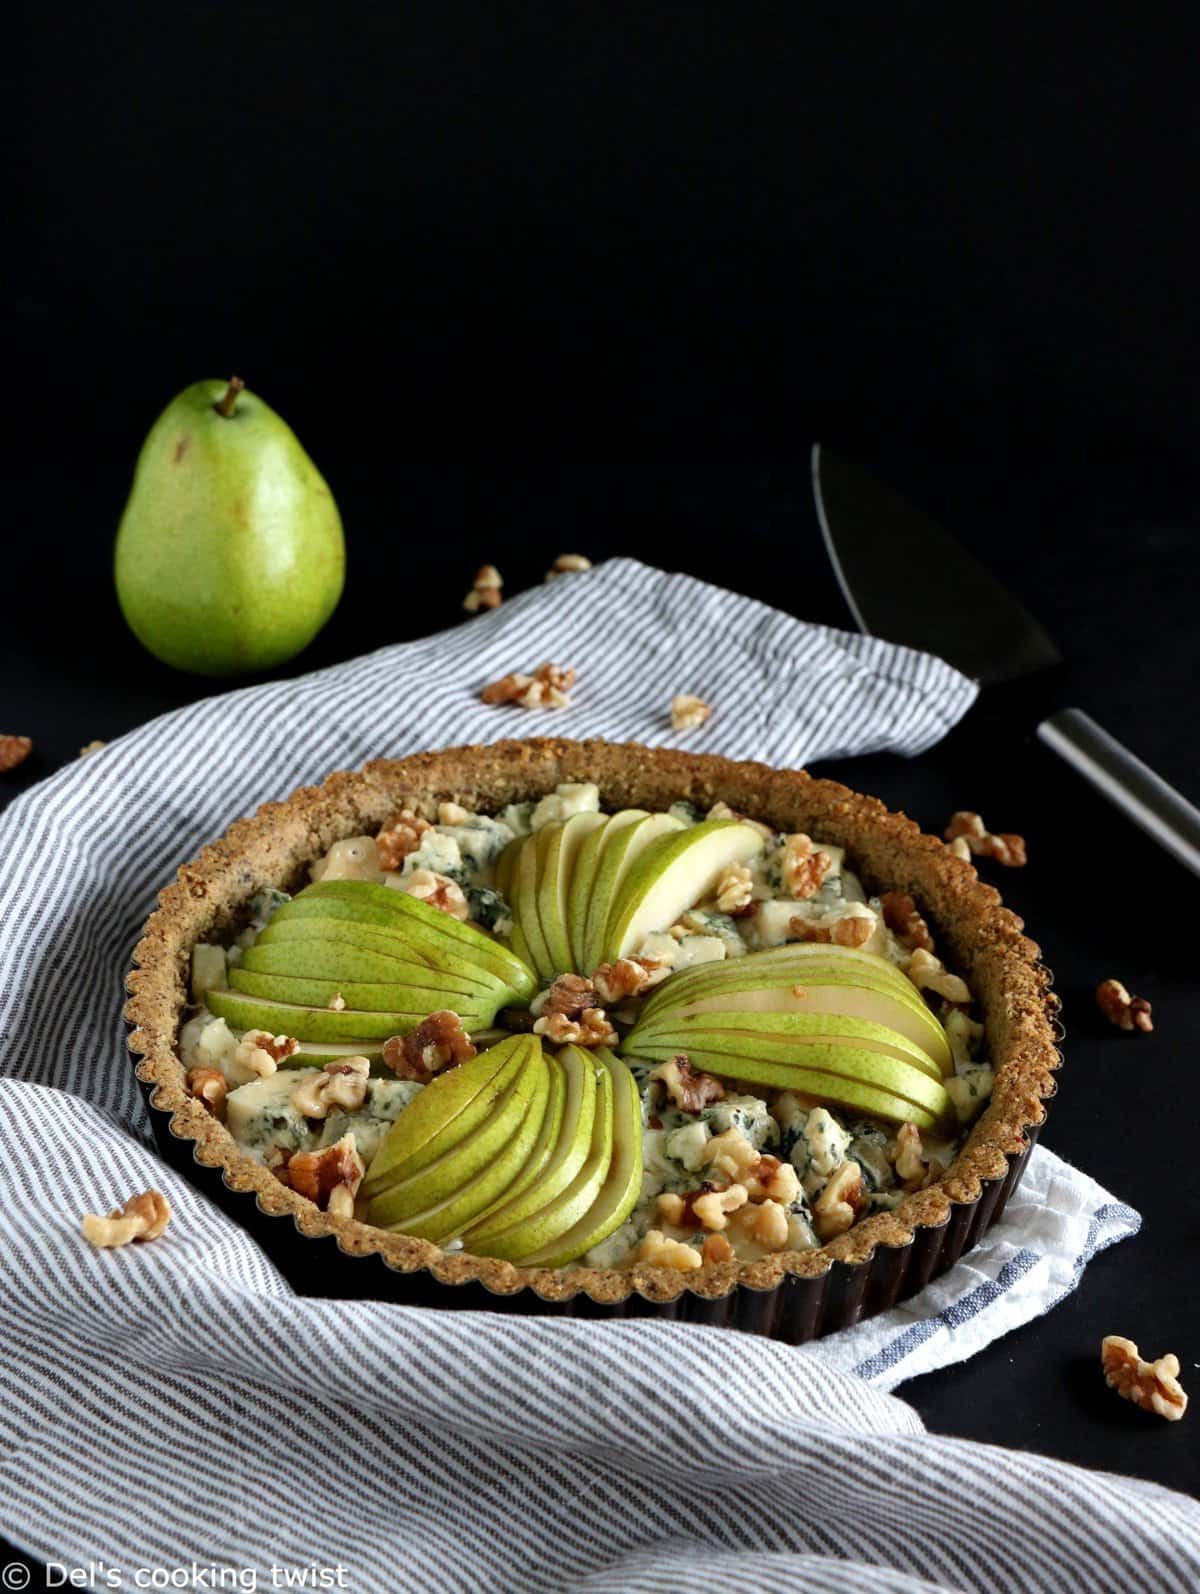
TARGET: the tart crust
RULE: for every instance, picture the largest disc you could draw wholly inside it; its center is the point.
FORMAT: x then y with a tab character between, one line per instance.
982	938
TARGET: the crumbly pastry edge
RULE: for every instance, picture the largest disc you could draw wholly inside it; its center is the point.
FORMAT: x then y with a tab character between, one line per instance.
977	934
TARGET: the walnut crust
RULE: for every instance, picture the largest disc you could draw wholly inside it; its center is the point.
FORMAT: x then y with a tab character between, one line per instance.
983	939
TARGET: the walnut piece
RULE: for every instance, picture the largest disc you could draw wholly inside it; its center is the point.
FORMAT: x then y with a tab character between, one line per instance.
438	1042
704	1208
485	590
960	849
1003	846
438	890
840	1201
337	1003
688	712
208	1085
1125	1011
259	1052
716	1249
452	814
143	1217
735	888
399	837
658	1251
904	919
14	750
1154	1386
632	976
329	1177
769	1179
731	1155
339	1084
928	973
590	1028
766	1224
804	868
547	687
92	747
909	1157
568	564
689	1091
571	995
851	929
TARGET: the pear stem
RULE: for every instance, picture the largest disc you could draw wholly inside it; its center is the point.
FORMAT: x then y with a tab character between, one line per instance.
225	407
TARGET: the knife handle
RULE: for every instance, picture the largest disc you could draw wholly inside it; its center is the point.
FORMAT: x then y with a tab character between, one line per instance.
1128	784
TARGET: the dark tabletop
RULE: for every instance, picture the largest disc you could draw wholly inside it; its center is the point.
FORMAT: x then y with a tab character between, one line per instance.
1114	582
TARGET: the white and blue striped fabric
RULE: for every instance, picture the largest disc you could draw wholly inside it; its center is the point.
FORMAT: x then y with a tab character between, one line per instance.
174	1411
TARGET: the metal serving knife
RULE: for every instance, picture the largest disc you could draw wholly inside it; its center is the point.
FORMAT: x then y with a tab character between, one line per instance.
906	579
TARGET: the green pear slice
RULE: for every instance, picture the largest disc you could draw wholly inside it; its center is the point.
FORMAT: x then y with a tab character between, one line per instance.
805	962
672	875
821	1067
548	1134
554	885
309	1054
622	1185
401	1199
567	1156
506	863
334	960
630	832
733	1032
431	925
370	938
823	992
242	1010
522	1111
365	996
449	1108
579	893
557	1216
528	874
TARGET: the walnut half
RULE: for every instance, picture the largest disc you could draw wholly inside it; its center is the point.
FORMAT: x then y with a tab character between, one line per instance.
438	1042
689	1091
329	1177
1154	1386
1125	1011
143	1217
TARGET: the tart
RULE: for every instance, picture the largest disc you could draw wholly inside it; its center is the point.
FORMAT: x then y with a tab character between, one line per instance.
601	1029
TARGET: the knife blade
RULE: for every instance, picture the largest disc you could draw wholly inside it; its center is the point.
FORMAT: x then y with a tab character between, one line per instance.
907	580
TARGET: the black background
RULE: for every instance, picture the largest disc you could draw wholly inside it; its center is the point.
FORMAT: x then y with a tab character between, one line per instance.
527	279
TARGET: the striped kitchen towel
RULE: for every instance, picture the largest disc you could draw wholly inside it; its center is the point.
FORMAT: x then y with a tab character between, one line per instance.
174	1412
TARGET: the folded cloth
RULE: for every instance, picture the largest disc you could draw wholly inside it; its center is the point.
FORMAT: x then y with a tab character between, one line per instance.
175	1406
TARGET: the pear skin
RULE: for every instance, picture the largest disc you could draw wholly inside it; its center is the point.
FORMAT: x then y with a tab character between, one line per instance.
230	554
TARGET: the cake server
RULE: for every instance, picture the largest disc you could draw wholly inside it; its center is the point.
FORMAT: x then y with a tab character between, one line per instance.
906	579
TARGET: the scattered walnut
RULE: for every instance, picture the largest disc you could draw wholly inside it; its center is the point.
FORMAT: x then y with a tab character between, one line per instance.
547	687
658	1251
590	1028
769	1179
259	1052
1125	1011
14	750
399	837
485	590
337	1003
438	890
571	995
766	1224
735	888
632	976
711	1206
909	1157
960	849
689	1091
731	1155
438	1042
92	747
716	1249
568	564
840	1201
928	973
688	712
342	1084
210	1086
804	868
1154	1386
904	919
851	929
1003	846
329	1177
452	814
143	1217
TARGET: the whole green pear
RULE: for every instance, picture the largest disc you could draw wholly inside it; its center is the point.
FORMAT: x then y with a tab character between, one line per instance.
230	553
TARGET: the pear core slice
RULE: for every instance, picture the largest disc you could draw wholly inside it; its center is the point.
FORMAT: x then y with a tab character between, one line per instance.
622	1185
630	831
557	870
672	875
243	1011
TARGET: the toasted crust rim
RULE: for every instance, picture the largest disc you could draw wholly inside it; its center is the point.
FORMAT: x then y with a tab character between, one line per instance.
979	935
